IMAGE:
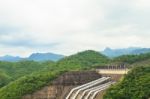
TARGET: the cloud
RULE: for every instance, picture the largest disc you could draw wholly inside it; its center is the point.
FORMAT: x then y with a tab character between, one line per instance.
66	26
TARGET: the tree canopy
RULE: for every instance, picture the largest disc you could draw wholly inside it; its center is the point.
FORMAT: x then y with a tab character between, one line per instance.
135	85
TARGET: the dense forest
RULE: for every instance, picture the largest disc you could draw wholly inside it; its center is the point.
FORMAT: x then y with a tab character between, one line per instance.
132	58
135	85
20	78
10	71
83	60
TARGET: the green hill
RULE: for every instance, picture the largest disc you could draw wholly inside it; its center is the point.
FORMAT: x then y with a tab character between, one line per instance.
27	84
83	60
130	59
135	85
4	78
15	70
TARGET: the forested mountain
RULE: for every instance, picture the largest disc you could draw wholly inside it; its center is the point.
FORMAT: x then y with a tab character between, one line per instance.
135	85
45	57
125	51
35	56
55	57
85	59
10	58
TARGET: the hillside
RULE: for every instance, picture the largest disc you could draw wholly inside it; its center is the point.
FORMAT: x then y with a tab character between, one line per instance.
132	58
27	84
11	71
135	85
4	79
86	59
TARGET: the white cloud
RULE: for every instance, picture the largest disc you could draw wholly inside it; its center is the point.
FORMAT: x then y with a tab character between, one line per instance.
142	4
66	26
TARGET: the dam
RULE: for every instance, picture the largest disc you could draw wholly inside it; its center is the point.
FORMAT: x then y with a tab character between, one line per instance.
110	75
81	84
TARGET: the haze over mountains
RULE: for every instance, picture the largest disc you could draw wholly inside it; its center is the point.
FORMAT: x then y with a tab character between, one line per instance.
34	56
45	56
55	57
124	51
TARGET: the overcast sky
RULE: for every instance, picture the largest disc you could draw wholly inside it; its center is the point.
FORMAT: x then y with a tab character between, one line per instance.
69	26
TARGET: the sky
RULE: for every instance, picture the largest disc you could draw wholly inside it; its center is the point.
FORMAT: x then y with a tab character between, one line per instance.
69	26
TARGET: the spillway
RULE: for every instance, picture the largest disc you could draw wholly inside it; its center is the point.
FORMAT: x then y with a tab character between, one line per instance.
90	90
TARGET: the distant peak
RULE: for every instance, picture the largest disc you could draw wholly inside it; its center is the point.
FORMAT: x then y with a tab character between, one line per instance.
10	56
107	49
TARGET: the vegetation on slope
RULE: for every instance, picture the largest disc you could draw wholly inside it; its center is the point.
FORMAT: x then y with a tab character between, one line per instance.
10	71
132	58
83	60
30	83
4	78
27	84
135	85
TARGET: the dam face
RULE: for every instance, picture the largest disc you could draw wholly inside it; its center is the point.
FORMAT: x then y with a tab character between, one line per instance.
113	71
121	69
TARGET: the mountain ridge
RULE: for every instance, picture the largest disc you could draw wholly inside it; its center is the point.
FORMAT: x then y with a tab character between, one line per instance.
124	51
34	57
109	52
